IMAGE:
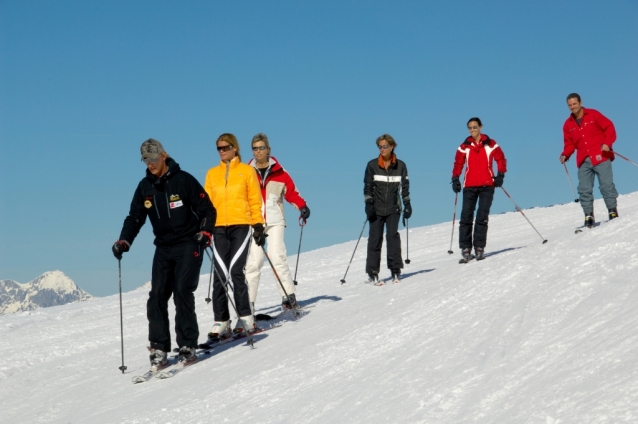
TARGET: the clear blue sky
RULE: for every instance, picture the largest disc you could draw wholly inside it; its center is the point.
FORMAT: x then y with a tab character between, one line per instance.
83	84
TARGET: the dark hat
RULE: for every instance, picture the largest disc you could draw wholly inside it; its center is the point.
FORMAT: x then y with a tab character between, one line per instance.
151	149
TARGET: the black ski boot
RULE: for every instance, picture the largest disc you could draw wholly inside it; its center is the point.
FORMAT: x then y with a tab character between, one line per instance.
589	220
289	302
480	253
467	255
613	213
395	276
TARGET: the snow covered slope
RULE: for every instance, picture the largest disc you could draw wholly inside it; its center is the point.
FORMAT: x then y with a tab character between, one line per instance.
536	333
50	289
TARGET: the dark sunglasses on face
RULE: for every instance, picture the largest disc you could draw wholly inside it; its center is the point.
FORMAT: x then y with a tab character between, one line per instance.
224	148
149	160
257	148
385	146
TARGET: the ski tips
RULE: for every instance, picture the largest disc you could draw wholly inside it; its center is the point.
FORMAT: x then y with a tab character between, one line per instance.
544	241
449	252
343	281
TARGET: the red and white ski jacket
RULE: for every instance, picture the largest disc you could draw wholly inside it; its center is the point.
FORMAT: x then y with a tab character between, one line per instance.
478	159
588	138
276	186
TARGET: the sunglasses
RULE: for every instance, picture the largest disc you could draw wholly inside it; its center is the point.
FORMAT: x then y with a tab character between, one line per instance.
149	160
224	148
257	148
385	146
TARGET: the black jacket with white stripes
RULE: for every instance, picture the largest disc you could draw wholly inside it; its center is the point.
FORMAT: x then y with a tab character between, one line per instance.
386	187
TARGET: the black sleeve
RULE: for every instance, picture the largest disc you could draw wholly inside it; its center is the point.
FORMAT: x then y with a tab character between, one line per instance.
368	184
405	185
202	205
136	217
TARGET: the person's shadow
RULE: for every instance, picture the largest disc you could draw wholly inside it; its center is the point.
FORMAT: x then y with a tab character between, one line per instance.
498	252
410	274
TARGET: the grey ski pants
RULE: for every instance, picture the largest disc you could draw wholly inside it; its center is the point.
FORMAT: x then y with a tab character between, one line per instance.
586	174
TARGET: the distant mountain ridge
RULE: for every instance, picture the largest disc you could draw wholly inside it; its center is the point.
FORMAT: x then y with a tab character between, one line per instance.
50	289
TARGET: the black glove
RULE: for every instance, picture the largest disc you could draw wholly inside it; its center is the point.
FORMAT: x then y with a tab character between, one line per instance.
498	180
456	185
370	212
120	247
259	235
203	238
407	210
304	213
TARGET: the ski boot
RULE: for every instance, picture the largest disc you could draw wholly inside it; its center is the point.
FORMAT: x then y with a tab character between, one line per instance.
589	220
479	253
246	323
186	355
467	255
613	213
158	359
373	278
395	276
289	302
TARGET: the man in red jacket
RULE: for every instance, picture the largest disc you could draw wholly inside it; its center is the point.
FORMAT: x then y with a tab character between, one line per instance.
592	135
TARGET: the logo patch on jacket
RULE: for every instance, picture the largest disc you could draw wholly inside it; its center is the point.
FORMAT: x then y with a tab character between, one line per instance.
177	204
174	197
147	204
599	157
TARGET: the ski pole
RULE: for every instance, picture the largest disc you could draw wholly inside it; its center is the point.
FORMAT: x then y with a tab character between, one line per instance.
250	339
630	161
343	280
570	182
210	278
278	279
302	223
456	198
407	241
521	211
119	267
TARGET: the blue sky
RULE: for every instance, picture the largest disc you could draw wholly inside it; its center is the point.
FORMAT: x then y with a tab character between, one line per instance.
83	84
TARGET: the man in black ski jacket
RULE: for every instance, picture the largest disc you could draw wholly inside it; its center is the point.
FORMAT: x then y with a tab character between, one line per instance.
385	185
183	218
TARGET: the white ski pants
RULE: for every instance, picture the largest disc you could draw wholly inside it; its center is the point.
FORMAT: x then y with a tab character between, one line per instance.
277	252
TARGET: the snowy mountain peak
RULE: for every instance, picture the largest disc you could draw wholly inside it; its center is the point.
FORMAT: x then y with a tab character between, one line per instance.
50	289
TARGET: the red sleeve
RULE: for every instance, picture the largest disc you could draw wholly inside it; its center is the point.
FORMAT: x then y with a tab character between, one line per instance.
607	127
291	194
569	147
459	162
501	162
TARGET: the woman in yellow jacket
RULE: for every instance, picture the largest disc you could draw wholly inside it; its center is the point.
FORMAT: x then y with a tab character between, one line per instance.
234	190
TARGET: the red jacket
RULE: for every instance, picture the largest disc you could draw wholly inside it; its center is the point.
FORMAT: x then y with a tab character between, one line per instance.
478	159
276	186
588	138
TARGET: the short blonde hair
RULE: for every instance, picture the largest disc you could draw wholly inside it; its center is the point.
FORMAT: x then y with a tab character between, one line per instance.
261	137
389	139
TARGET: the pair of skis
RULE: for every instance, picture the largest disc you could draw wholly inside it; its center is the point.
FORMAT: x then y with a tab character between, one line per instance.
171	368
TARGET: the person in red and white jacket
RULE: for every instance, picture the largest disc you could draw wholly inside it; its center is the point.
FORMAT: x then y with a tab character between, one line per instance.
276	185
477	153
591	135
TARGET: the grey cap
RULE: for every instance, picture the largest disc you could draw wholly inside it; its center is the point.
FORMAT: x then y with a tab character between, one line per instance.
151	149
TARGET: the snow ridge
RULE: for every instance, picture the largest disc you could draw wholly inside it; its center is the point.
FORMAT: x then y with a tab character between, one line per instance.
50	289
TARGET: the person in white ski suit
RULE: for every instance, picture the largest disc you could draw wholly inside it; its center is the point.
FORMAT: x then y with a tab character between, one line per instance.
276	185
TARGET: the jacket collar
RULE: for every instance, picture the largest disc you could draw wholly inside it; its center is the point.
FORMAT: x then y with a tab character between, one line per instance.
234	163
273	163
484	139
382	163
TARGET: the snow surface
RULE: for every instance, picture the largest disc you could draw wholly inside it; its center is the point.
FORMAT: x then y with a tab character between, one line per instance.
536	333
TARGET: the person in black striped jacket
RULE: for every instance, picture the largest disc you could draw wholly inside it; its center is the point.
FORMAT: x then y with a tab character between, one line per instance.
386	184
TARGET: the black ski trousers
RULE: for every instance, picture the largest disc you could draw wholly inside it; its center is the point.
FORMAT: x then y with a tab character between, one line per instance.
484	196
231	246
375	243
175	272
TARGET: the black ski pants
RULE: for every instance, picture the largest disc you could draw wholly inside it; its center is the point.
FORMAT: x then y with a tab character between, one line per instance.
375	243
484	196
175	272
231	246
